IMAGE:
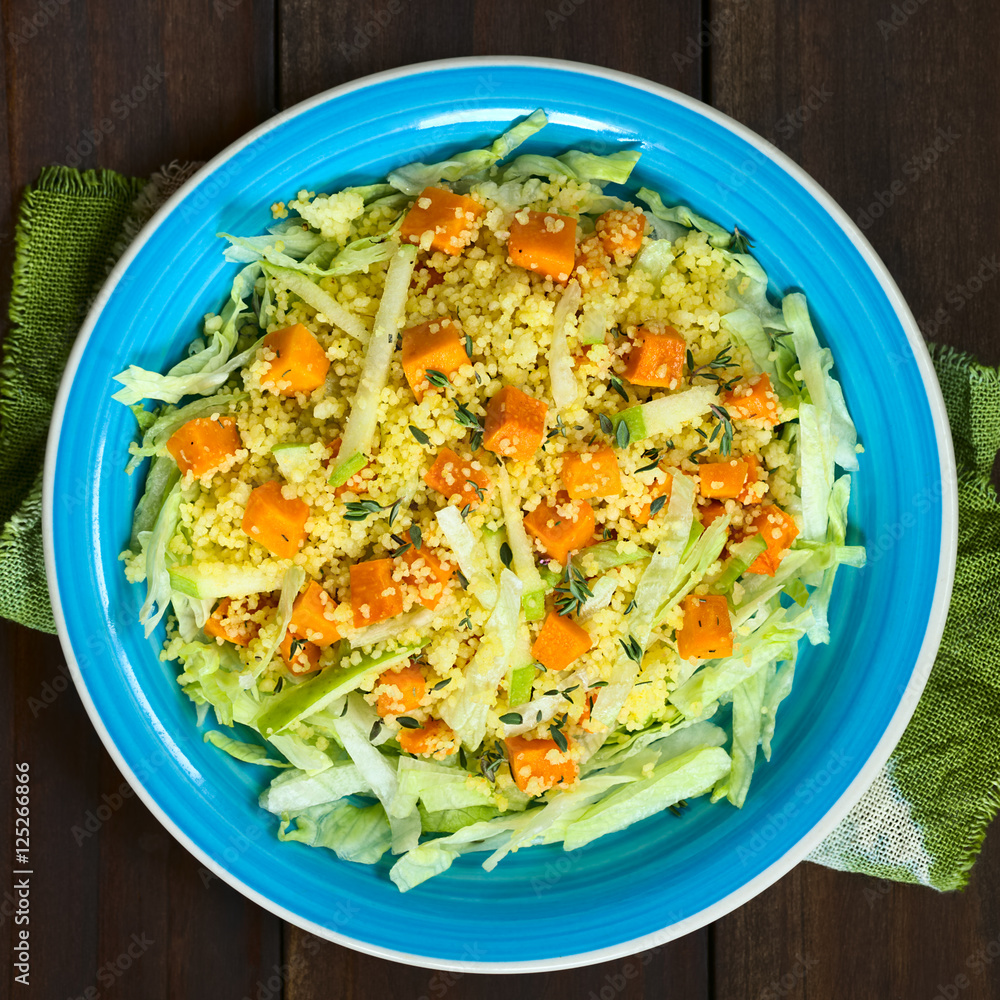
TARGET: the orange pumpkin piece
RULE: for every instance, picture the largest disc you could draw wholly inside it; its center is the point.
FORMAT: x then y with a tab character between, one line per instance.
656	490
710	511
591	474
544	243
752	493
779	531
707	632
592	261
620	231
657	358
301	363
459	480
723	480
301	656
221	624
375	596
435	738
753	398
538	765
437	346
515	424
203	444
451	219
427	574
560	642
400	691
559	532
274	521
312	614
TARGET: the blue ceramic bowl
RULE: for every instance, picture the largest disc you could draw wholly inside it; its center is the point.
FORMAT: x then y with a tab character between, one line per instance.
542	908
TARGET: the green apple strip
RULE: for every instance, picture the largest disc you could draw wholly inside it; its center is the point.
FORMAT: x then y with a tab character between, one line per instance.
323	302
667	414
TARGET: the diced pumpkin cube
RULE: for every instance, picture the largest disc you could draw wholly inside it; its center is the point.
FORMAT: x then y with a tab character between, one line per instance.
560	642
375	596
301	363
590	474
723	480
756	484
708	512
656	358
312	616
620	231
231	622
435	738
515	424
425	278
427	574
435	346
779	531
203	444
658	489
400	691
561	527
301	656
451	220
591	262
462	481
543	243
707	632
275	521
538	765
753	398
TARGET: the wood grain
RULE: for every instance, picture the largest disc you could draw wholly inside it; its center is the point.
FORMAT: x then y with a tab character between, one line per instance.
126	86
859	103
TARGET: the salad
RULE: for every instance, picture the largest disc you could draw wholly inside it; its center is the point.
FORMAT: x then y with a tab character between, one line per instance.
491	508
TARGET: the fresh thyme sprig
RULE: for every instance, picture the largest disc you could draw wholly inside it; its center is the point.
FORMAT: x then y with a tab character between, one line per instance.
436	378
572	591
711	369
468	419
741	243
358	510
725	427
632	649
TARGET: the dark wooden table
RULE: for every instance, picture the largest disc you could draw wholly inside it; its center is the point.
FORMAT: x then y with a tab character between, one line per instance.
892	105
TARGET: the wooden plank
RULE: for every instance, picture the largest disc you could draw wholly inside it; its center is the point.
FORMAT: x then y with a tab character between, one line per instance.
116	904
374	36
861	103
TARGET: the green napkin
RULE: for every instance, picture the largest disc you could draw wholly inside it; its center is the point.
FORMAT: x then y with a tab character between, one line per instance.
925	817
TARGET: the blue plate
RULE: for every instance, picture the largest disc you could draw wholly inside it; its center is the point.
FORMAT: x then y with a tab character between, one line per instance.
542	908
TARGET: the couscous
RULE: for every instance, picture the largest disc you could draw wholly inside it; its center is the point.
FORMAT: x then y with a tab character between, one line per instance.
492	489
